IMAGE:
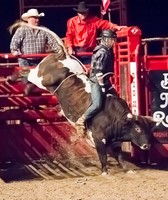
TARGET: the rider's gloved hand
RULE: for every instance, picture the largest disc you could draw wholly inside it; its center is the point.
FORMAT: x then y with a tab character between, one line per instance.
100	80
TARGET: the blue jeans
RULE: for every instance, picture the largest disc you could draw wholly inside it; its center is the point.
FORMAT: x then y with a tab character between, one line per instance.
28	62
97	99
86	60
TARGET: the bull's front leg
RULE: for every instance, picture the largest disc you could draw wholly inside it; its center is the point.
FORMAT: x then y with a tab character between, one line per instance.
102	154
118	155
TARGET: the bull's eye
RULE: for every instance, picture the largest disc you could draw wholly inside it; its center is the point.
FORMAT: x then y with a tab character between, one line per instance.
138	129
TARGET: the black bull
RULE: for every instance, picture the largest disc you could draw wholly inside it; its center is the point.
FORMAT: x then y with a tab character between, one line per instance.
112	125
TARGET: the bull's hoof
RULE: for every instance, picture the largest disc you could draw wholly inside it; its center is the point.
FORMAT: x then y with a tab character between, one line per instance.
104	173
12	79
131	171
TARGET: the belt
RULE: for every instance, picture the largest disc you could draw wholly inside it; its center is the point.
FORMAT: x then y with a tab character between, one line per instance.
33	59
83	49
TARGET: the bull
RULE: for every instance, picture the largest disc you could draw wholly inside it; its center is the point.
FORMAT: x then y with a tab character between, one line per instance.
65	77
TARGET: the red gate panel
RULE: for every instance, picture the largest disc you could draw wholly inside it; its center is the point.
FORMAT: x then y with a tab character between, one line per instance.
138	77
31	126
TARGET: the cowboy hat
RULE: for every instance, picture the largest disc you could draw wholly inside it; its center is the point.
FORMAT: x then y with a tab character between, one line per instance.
31	13
81	7
109	33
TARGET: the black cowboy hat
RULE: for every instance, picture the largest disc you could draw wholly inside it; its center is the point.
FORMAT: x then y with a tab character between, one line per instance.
82	7
109	33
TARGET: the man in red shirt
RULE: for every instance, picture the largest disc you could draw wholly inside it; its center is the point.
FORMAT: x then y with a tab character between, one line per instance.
82	31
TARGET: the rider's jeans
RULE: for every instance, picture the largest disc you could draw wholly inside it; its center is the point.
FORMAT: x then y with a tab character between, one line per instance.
97	99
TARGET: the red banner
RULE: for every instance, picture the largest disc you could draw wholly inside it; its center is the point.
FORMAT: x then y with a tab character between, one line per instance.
106	4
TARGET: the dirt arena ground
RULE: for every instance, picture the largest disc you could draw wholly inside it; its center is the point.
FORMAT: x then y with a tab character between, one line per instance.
82	180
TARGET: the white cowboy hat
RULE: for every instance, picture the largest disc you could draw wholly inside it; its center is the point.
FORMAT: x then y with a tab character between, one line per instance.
31	13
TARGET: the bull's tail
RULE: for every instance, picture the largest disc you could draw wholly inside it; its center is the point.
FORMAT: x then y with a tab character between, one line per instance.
16	25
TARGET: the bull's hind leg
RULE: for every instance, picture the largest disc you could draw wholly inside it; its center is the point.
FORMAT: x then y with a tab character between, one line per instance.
102	154
21	74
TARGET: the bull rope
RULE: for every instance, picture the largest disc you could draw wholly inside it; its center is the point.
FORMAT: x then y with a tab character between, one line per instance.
108	73
83	66
65	80
75	75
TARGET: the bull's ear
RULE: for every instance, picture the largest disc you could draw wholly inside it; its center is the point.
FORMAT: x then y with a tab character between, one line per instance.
136	117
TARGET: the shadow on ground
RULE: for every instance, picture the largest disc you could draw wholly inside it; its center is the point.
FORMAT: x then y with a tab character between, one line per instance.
50	169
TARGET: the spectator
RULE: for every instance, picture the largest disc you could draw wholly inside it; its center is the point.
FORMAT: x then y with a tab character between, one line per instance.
27	40
82	31
101	64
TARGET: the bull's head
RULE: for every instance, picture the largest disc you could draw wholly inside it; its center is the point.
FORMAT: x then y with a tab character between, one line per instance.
140	129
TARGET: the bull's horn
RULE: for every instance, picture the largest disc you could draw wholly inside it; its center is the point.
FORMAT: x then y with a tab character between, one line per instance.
129	116
153	119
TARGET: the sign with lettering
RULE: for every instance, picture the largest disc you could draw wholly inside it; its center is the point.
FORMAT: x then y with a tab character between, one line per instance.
134	90
158	86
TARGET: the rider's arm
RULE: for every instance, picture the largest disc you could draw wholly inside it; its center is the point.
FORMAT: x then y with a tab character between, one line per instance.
98	61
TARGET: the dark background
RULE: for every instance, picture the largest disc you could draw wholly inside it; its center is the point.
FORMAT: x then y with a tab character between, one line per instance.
151	16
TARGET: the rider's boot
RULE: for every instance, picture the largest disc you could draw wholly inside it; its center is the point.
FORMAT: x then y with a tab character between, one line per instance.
80	125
